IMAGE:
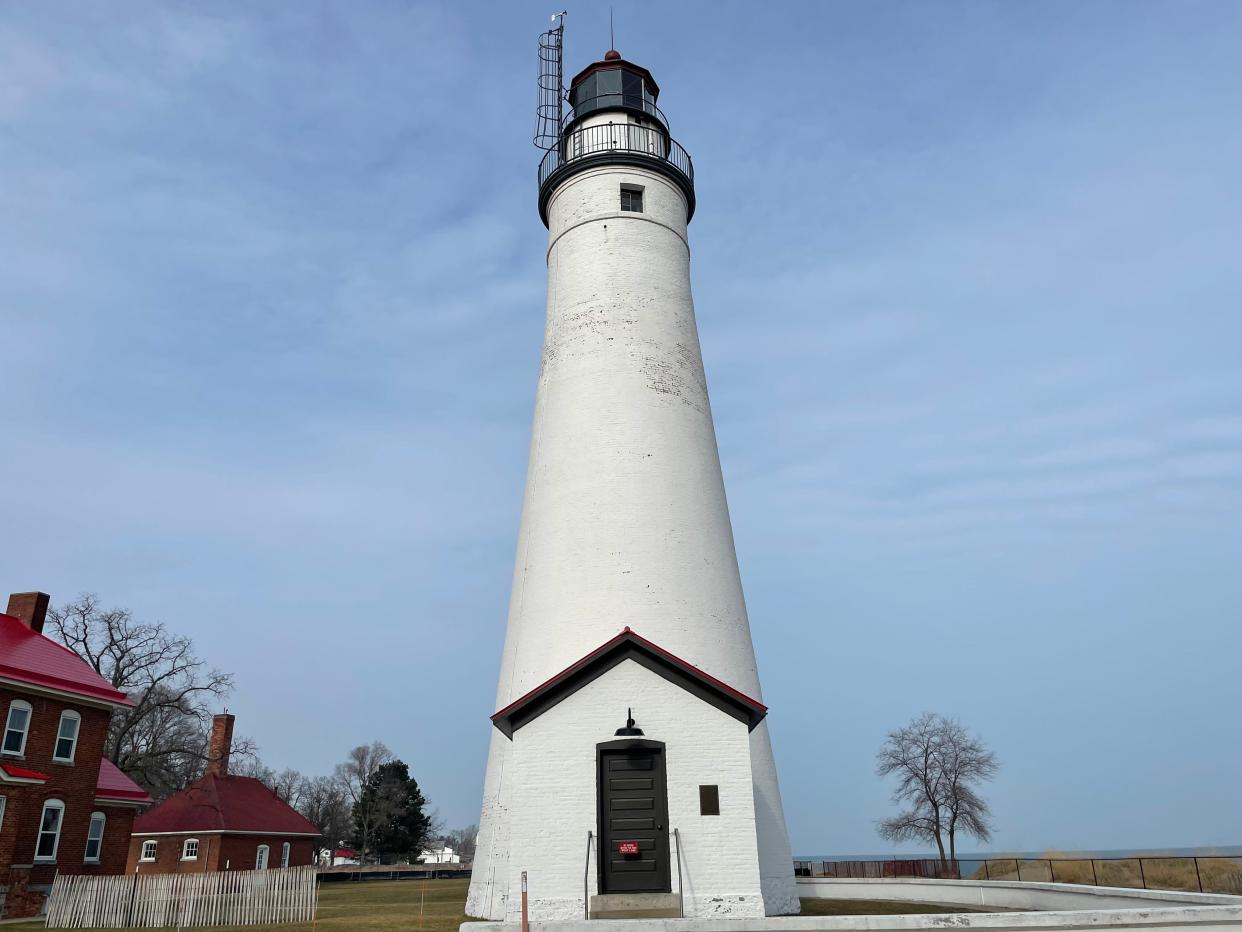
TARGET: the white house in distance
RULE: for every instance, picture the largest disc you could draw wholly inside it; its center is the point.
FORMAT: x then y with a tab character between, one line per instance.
441	855
630	749
338	857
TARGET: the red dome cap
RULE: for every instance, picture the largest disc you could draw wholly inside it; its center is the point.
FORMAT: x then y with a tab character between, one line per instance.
612	55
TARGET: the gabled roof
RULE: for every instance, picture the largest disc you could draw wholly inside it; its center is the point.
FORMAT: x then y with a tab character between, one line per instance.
628	645
27	657
224	804
114	786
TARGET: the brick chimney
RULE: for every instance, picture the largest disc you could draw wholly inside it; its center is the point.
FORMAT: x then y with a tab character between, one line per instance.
30	607
221	744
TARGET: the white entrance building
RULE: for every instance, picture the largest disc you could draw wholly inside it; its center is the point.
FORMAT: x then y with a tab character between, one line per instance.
630	769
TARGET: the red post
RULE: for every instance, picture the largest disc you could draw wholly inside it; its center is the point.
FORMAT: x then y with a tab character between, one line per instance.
525	915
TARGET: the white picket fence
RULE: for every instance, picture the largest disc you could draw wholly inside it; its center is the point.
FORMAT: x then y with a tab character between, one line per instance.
183	901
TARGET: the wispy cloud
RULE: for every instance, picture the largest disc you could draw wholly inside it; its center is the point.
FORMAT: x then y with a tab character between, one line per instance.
271	297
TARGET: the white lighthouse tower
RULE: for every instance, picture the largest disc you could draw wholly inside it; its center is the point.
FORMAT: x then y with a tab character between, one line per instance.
630	770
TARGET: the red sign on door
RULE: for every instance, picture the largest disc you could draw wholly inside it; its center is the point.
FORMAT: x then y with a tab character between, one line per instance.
627	847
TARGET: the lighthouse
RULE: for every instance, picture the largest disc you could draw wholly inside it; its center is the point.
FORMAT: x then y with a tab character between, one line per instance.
630	771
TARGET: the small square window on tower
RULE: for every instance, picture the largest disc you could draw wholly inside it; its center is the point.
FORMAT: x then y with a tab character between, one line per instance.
709	799
631	198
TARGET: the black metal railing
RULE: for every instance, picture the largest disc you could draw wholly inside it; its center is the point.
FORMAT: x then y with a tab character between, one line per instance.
609	139
1202	874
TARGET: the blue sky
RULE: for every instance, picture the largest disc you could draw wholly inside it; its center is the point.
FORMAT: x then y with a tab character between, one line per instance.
968	278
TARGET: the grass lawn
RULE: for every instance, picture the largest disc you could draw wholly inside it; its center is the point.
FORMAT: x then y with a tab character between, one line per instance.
384	905
395	905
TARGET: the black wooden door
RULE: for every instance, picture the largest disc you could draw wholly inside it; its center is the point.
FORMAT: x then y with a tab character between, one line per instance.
633	820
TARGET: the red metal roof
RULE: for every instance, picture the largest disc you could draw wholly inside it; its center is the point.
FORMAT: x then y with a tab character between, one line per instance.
20	773
28	657
113	784
224	804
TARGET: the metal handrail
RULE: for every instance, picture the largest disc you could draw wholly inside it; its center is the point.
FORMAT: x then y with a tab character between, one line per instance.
606	139
586	883
681	891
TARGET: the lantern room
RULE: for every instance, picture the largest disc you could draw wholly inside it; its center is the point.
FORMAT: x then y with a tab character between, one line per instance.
614	84
612	118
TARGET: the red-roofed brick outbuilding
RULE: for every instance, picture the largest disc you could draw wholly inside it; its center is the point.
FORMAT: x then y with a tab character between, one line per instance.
64	808
221	822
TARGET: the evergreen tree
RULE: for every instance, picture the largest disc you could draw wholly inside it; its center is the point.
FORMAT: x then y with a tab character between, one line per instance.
390	814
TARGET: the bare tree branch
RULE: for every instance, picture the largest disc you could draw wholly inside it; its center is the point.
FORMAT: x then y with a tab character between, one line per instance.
161	741
937	765
353	776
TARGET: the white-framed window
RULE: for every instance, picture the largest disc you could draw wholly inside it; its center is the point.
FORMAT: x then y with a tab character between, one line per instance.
284	855
189	849
17	727
2	799
49	830
94	838
260	858
67	736
149	848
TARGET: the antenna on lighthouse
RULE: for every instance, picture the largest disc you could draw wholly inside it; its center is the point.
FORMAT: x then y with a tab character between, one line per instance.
550	110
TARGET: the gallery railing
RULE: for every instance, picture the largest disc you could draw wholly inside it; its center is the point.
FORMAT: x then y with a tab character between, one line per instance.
608	139
1194	874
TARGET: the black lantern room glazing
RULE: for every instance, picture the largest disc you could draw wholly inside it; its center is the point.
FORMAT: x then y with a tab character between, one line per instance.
614	84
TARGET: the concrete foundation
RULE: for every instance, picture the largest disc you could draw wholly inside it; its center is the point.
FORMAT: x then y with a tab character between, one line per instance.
1044	908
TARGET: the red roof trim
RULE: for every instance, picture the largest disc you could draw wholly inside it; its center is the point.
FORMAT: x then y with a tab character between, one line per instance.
628	635
736	693
21	773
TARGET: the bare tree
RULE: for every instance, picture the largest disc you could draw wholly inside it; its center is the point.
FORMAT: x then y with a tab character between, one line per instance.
161	741
937	765
355	775
965	761
289	784
325	803
464	841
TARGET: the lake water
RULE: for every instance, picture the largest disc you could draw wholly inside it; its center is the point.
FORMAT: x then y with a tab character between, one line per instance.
1221	851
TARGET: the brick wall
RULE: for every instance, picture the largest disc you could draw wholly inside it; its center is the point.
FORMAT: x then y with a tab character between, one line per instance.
73	784
216	852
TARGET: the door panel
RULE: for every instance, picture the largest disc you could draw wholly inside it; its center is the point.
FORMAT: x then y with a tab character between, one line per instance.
633	800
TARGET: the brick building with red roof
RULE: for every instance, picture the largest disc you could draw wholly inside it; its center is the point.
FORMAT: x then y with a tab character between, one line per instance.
221	822
64	807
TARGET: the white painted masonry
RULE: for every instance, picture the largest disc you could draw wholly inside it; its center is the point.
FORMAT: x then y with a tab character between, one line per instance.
625	520
554	790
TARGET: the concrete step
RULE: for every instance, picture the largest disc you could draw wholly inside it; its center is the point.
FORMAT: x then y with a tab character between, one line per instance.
636	906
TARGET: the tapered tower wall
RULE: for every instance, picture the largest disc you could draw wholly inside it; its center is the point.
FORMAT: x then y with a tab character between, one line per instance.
625	519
